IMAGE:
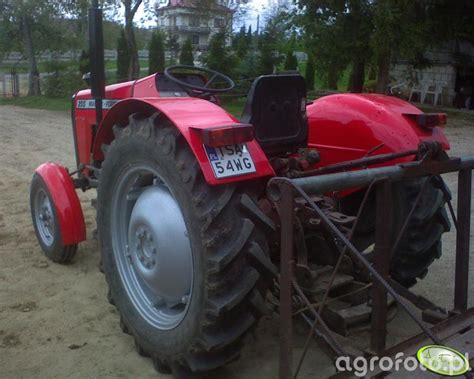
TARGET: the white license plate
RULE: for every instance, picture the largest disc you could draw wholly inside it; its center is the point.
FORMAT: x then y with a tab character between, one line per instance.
230	160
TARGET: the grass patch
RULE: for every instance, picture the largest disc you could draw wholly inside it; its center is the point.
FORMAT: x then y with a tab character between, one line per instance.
234	106
39	102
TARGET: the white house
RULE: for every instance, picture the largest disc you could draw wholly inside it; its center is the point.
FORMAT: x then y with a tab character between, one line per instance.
190	19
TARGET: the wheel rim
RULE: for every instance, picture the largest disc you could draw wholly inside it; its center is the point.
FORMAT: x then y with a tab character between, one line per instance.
44	217
151	247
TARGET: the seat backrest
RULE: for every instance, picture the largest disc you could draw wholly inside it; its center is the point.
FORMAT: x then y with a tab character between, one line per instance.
276	106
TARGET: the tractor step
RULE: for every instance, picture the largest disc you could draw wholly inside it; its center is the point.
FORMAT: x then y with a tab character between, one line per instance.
347	319
347	309
321	276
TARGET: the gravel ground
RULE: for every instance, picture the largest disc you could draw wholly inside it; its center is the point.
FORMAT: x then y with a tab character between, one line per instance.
55	321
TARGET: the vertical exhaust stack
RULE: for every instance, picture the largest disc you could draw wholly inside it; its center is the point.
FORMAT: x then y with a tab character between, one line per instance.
96	48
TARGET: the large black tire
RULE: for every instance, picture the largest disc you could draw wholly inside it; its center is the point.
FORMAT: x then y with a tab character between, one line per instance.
421	243
228	250
49	237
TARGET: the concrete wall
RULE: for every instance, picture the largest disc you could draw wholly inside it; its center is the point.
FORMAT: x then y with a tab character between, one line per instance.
405	73
443	68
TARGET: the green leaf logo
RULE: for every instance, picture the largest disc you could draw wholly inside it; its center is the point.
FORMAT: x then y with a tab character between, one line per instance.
443	360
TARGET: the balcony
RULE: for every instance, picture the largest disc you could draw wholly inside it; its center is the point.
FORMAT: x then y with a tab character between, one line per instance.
190	29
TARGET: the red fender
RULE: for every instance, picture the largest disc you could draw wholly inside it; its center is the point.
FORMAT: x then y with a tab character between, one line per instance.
189	115
66	202
348	126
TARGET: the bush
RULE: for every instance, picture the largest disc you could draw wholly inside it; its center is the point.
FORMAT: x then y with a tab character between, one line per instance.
62	83
370	86
62	79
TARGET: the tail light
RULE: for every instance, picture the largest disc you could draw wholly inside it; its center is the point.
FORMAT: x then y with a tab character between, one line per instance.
429	120
227	135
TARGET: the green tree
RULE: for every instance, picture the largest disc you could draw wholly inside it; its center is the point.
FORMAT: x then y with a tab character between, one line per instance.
249	36
123	58
267	59
309	73
84	62
186	55
241	45
131	8
237	37
218	57
402	29
333	33
30	26
291	63
156	53
172	45
272	42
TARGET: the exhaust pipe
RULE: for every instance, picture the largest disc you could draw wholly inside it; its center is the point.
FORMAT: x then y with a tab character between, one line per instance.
96	49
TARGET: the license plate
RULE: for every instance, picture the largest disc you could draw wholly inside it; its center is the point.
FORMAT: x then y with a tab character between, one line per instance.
230	160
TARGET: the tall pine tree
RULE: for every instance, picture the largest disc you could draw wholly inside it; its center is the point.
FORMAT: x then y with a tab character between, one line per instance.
186	55
156	54
309	73
123	58
291	63
218	58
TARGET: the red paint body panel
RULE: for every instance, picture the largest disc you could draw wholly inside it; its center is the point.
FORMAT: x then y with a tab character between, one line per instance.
342	127
347	126
66	202
187	114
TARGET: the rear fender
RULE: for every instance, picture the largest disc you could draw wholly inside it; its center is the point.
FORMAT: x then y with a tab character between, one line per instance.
66	202
349	126
188	115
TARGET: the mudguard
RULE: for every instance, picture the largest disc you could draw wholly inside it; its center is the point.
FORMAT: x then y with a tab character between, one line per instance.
189	115
66	202
349	126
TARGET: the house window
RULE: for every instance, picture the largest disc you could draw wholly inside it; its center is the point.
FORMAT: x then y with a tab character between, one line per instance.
219	22
195	39
193	21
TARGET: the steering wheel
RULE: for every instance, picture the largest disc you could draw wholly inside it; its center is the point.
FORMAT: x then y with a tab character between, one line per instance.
203	90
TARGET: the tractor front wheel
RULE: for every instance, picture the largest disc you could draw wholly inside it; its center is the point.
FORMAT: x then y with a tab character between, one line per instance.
176	252
46	224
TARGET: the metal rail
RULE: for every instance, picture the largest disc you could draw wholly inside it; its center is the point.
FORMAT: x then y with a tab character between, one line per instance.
283	191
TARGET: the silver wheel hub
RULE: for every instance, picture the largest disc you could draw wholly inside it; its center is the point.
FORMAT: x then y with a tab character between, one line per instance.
160	248
151	247
44	217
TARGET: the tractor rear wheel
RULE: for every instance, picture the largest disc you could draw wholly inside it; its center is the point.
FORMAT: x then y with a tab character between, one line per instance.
421	243
178	255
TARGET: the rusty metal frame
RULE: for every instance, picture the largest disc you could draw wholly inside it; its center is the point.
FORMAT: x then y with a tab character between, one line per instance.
283	191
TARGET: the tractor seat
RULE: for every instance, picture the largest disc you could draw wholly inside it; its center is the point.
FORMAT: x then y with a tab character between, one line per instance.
276	107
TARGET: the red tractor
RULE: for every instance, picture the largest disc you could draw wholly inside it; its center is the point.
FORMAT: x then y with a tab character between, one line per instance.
188	235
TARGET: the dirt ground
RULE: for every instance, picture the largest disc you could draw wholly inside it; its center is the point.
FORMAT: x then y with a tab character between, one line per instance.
55	321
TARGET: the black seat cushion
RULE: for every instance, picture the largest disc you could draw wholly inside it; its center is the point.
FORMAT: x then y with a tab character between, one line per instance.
276	106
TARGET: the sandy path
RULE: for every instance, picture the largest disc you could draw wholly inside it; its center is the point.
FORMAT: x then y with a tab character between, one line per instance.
46	309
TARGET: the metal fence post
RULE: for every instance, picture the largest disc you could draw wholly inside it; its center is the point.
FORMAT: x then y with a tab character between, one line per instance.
462	240
383	240
286	275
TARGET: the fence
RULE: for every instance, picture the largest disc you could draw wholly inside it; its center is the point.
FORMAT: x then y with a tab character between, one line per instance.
13	84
